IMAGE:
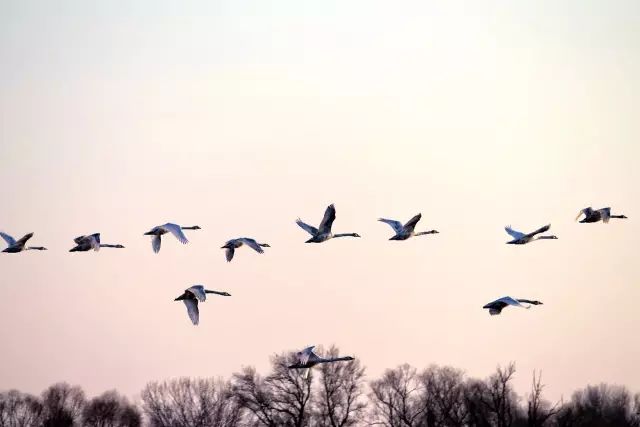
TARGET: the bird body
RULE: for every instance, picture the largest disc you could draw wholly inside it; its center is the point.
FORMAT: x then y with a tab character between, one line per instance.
192	296
403	232
308	359
89	242
15	246
158	231
520	238
495	307
595	215
323	232
234	244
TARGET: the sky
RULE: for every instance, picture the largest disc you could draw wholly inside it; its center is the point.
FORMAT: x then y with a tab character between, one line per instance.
240	117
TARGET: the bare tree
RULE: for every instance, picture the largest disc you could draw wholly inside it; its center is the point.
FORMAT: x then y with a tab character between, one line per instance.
110	410
444	387
20	410
279	399
186	402
339	401
539	411
62	405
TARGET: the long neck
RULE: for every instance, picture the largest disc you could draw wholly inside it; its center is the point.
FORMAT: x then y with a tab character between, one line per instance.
105	245
334	359
193	227
207	291
426	232
545	237
36	248
345	235
618	216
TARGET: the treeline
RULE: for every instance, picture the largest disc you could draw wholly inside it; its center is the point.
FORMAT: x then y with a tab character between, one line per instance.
336	395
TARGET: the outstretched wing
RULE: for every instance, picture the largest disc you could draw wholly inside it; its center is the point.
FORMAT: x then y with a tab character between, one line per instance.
306	227
176	231
192	310
539	230
252	244
396	225
198	291
513	233
156	242
586	211
512	301
10	240
605	213
411	224
94	241
229	253
23	240
327	220
303	356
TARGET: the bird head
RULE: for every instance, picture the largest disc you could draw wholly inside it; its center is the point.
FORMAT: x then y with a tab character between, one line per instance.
226	294
119	246
356	235
265	245
196	227
553	237
623	216
536	303
349	358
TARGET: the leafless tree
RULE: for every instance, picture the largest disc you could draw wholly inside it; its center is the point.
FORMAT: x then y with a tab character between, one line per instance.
539	411
20	410
62	405
444	387
339	400
187	402
110	410
600	406
279	399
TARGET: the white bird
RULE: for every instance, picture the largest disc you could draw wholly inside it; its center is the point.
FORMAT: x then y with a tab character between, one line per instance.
91	241
191	296
323	232
403	232
15	246
234	244
595	215
174	229
495	307
520	238
308	359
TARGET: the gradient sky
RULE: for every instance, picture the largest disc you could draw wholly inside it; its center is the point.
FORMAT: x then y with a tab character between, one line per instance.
241	116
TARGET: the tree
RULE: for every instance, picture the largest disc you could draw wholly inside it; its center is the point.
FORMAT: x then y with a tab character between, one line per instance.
62	405
339	401
110	410
444	387
601	406
186	402
539	411
20	410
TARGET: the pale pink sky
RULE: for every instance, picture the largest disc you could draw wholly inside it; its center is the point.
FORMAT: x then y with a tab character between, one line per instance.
240	117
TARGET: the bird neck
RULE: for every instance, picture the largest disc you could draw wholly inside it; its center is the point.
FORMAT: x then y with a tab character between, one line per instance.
426	232
207	291
105	245
334	359
193	227
36	248
618	216
345	235
545	237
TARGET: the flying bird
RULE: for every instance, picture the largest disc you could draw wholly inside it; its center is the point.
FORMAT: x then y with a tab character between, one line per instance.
92	241
191	296
521	238
595	215
323	232
15	246
174	229
308	359
495	307
403	232
234	244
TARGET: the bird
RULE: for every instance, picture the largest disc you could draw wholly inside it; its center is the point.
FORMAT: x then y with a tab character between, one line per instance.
521	238
323	232
495	307
595	215
307	359
234	244
192	295
403	232
91	241
15	246
174	229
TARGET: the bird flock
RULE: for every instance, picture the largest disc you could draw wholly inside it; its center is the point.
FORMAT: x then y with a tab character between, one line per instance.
306	358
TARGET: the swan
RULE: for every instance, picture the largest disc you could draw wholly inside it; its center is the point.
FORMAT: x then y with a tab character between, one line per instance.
521	238
15	246
92	241
174	229
495	307
595	215
191	296
234	244
323	232
403	232
307	359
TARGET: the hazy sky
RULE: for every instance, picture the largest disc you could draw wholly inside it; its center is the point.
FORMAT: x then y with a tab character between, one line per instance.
239	117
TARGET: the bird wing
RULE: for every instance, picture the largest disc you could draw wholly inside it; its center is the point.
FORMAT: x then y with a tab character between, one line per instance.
327	220
176	231
511	301
306	227
23	239
539	230
513	233
94	241
155	243
606	214
192	309
252	244
586	211
78	240
10	240
411	224
303	356
396	225
229	253
198	291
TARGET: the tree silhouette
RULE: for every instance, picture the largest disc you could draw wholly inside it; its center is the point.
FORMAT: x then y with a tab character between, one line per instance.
20	409
62	405
110	410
